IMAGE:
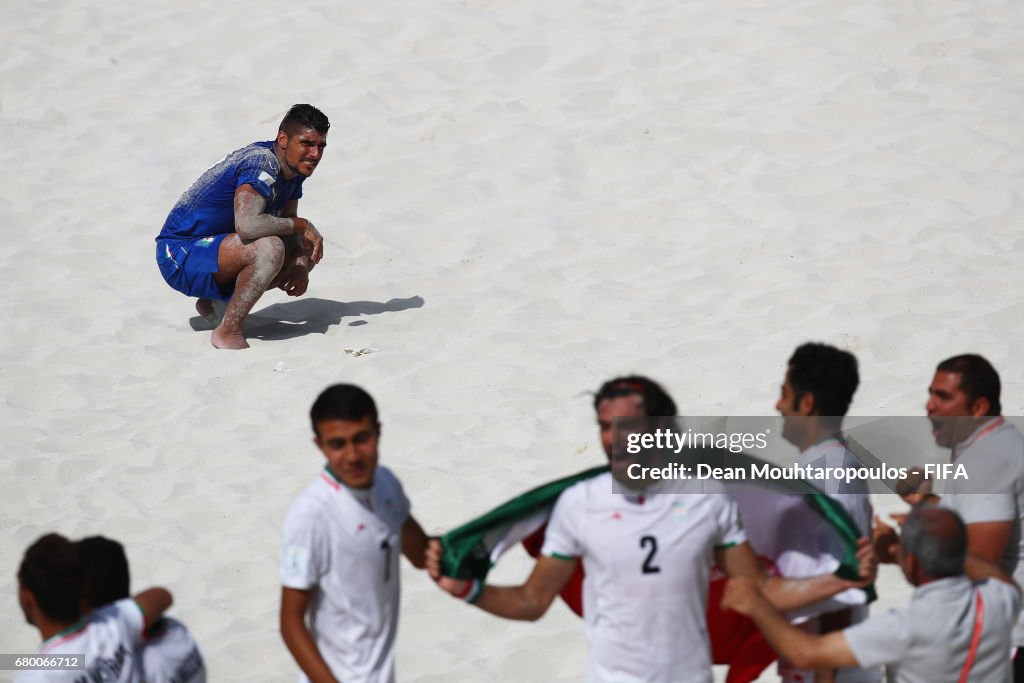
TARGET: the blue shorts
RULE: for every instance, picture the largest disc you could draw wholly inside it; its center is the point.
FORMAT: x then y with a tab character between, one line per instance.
188	266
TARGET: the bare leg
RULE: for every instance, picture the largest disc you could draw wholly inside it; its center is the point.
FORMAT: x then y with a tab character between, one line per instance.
253	265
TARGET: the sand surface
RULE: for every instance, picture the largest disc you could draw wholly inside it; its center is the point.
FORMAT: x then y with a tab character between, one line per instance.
520	200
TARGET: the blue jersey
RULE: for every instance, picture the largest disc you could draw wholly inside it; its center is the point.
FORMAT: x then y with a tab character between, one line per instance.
208	207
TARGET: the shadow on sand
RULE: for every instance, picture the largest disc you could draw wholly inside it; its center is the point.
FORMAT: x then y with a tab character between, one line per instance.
310	316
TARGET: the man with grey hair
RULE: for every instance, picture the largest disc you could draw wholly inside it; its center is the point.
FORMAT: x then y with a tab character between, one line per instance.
957	627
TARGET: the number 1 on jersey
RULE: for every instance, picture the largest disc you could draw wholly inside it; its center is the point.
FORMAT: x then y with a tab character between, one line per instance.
386	547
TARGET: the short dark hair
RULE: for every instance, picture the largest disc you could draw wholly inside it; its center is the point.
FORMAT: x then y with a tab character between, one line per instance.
303	116
52	573
342	402
105	567
657	402
978	379
828	373
938	538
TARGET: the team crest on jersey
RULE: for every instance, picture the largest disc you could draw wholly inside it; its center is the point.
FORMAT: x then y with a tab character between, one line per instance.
679	512
204	242
615	516
361	527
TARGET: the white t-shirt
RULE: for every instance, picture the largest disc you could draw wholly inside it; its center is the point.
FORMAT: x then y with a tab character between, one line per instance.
855	499
346	552
169	654
786	530
107	638
647	563
801	543
853	495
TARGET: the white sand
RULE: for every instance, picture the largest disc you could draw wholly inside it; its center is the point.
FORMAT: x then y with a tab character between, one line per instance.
520	200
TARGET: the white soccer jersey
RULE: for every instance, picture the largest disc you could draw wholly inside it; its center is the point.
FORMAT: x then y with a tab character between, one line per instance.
647	563
107	639
784	529
169	654
853	495
855	499
347	554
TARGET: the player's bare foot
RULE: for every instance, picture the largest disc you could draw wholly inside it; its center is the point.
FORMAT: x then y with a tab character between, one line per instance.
228	340
205	308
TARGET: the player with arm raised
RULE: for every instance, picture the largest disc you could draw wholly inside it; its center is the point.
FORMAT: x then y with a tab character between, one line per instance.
50	583
168	653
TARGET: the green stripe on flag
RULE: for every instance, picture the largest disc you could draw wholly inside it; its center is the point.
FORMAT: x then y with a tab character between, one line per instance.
467	549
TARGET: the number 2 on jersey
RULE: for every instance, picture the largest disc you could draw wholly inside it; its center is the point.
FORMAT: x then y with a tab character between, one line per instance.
649	567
